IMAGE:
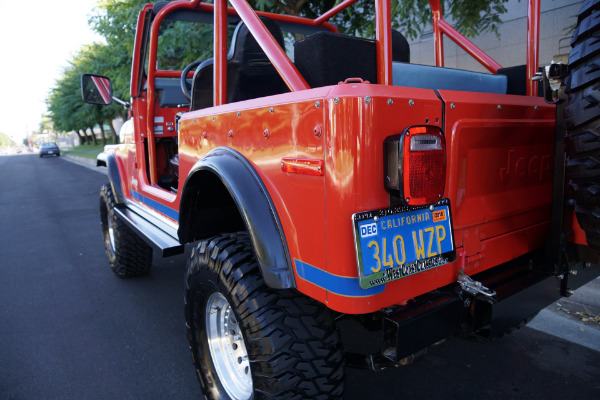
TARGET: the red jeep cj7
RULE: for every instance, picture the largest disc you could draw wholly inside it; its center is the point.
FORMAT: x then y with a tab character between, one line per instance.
347	207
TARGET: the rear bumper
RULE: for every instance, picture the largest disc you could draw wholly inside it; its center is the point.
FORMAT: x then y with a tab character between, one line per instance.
521	292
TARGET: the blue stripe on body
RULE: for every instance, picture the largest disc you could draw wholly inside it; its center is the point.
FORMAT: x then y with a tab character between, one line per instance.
161	208
341	285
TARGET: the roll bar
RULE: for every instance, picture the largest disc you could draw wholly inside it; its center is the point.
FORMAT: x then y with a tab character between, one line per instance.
286	67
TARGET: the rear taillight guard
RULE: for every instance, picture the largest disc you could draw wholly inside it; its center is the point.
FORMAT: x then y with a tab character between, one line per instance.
415	165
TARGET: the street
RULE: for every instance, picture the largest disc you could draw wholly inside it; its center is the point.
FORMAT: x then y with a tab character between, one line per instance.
70	329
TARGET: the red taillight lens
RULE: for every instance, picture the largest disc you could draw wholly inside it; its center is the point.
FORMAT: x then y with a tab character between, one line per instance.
424	165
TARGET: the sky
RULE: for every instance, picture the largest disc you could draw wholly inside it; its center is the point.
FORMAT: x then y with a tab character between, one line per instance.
37	40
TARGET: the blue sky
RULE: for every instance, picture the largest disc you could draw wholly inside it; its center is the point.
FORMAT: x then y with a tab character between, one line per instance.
37	39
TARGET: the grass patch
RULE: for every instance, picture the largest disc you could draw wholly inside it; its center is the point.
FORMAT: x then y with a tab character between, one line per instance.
84	150
91	156
86	147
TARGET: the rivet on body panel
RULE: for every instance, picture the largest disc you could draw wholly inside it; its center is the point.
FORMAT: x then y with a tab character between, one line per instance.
367	99
411	102
317	104
230	134
317	131
390	102
266	134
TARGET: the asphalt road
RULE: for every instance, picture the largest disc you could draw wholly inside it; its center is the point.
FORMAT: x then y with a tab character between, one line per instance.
70	329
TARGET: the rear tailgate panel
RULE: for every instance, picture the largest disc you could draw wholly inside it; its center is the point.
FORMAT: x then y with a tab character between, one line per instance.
499	177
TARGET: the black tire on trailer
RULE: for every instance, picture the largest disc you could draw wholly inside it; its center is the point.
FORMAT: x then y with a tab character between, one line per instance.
582	119
252	342
128	255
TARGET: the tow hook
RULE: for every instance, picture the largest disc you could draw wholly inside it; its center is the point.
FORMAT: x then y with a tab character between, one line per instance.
473	287
477	307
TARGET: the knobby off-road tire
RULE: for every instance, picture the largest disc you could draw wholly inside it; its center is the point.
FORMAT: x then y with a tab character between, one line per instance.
264	343
582	118
128	255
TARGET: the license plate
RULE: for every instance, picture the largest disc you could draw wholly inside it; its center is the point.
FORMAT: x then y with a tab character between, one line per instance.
398	242
50	152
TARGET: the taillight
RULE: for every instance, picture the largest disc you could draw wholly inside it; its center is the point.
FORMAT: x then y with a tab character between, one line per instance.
415	165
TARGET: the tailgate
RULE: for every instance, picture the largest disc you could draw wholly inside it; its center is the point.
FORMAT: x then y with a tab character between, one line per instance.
499	174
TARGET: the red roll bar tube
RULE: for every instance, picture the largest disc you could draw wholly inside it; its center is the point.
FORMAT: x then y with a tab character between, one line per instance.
533	49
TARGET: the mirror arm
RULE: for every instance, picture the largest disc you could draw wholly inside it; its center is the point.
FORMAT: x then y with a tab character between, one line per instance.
121	102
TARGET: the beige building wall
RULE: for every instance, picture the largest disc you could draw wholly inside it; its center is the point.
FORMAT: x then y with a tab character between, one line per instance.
510	49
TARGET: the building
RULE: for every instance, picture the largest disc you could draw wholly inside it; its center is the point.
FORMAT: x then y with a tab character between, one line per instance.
558	17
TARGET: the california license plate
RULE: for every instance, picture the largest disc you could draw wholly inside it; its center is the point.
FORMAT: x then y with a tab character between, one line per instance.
394	243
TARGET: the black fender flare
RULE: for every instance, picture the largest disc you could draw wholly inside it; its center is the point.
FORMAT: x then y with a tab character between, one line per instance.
255	208
109	161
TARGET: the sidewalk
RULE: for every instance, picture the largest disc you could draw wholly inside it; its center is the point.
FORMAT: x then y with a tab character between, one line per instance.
574	318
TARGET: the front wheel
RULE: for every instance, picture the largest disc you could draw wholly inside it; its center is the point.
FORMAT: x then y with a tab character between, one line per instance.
249	341
128	255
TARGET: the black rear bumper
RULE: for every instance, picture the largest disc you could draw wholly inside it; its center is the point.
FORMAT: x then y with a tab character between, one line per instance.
521	292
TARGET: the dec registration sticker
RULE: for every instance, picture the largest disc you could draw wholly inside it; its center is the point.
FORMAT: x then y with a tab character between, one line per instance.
398	242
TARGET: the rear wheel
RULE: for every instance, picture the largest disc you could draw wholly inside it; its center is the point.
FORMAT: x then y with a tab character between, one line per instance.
582	118
249	341
127	253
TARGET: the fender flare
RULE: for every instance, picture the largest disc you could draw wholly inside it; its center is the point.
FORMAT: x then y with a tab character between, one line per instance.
254	205
109	160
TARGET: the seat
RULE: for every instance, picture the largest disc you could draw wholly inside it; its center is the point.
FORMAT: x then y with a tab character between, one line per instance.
400	47
326	58
441	78
250	73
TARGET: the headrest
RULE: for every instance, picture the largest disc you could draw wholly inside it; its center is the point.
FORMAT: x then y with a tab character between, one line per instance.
245	49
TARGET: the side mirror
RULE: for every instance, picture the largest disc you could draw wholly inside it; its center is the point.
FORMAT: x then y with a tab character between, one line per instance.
96	89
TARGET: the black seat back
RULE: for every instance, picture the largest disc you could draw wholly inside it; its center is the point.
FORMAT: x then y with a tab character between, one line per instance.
327	58
250	73
400	47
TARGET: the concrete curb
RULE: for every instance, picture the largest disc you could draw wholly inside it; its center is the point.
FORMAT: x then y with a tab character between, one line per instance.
84	162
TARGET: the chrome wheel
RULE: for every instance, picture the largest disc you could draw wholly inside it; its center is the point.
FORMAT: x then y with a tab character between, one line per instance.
111	234
227	348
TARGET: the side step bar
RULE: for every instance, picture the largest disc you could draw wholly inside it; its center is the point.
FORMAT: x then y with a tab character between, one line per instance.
150	233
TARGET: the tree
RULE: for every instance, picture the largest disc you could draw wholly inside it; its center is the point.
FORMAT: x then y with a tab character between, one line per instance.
5	141
116	21
470	17
66	109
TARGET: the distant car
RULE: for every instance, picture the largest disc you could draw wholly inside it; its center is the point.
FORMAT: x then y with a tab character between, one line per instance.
49	149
